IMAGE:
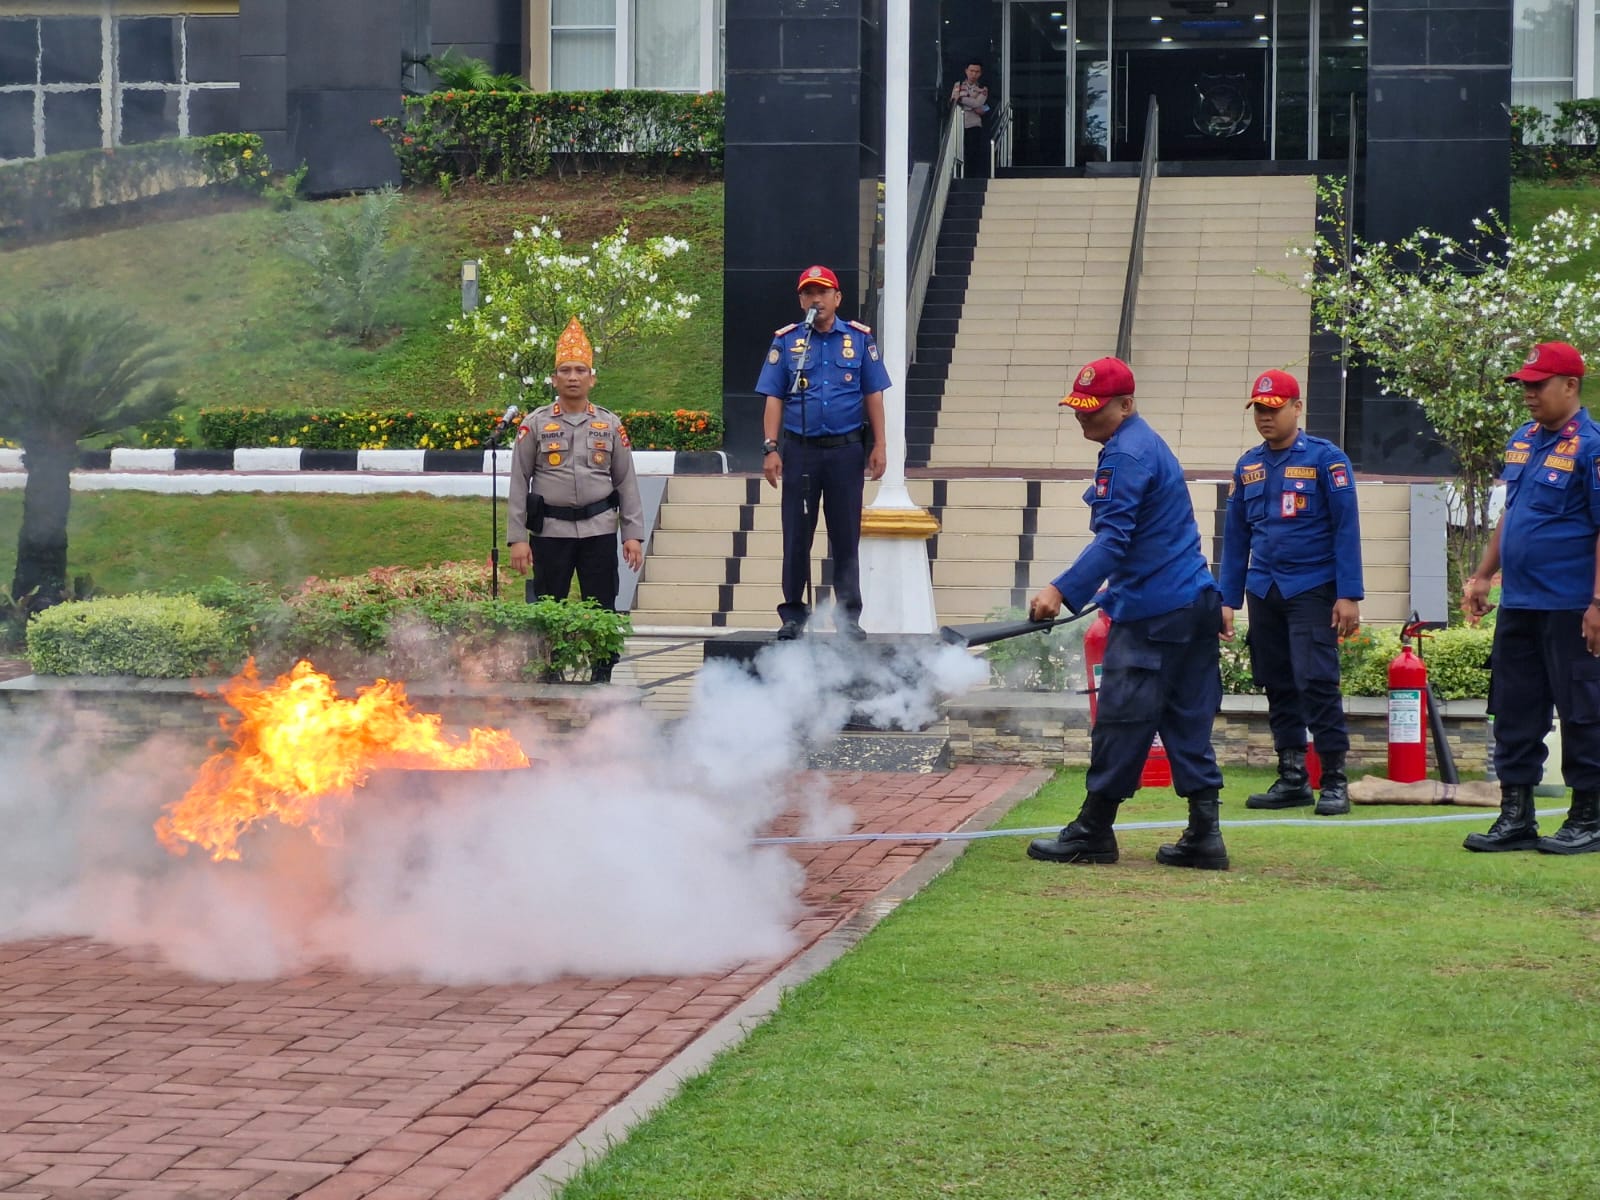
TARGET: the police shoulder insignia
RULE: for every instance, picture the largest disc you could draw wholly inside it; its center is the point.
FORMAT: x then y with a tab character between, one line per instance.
773	355
1340	475
1570	428
860	326
1300	472
792	325
622	435
1102	483
872	351
522	432
1595	480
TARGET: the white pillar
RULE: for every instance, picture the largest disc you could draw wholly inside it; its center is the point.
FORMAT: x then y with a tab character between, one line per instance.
896	584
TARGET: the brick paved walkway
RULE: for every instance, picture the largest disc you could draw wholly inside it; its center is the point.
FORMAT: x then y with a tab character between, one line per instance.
120	1077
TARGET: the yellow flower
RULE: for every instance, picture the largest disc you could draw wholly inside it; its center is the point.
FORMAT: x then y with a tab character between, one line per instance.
248	154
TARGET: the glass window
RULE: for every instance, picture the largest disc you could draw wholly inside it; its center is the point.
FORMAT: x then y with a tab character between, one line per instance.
1291	133
722	46
71	121
16	124
1342	73
666	45
71	50
149	50
1542	52
149	114
583	45
19	51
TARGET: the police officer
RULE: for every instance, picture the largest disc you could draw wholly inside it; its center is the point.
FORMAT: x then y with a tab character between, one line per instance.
1162	659
572	481
824	383
1291	549
1547	636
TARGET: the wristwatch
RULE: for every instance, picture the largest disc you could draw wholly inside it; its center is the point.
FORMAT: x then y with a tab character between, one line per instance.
769	447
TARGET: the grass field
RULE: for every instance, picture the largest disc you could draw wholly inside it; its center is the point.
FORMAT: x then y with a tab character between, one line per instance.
223	291
1349	1013
142	541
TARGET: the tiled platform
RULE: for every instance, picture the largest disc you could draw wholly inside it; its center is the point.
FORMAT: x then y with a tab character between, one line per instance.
123	1078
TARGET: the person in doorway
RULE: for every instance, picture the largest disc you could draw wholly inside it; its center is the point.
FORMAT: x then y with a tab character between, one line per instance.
572	486
823	382
1161	672
1291	550
1547	637
971	95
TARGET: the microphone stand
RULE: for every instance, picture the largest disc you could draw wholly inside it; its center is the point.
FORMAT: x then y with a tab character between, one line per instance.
493	442
796	389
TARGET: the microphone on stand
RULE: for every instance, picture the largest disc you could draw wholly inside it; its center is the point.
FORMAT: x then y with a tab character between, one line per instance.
811	317
509	416
493	441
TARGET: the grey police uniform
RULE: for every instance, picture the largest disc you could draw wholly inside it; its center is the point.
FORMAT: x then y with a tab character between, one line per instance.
572	486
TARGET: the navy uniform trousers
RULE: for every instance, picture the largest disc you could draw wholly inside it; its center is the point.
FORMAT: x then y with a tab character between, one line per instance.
1294	654
830	477
1540	661
1162	675
594	559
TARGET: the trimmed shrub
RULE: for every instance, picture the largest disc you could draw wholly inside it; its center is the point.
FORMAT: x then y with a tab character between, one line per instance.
1050	661
158	637
37	193
422	429
503	135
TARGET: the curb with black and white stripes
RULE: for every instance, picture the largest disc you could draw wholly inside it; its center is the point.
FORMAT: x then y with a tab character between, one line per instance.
295	469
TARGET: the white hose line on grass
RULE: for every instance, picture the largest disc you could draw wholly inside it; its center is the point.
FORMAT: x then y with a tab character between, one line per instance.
1483	814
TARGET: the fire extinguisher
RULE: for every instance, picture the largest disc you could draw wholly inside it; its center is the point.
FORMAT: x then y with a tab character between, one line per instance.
1157	769
1408	712
1313	764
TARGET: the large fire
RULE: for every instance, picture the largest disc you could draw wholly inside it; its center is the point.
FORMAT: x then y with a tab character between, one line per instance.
298	744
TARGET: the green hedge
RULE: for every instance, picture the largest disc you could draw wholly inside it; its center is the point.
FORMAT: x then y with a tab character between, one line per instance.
402	622
520	135
421	429
158	637
37	193
1565	145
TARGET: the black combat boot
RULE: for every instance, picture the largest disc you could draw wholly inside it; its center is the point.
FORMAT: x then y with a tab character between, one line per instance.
1292	788
1580	832
1515	828
1088	839
1200	845
1335	798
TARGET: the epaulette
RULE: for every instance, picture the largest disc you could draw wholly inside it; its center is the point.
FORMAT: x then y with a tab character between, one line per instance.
860	326
780	332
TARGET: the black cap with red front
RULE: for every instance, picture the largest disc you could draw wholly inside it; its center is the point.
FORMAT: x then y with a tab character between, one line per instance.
1547	360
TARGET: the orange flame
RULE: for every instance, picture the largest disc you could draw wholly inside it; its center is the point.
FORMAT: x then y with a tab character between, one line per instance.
298	742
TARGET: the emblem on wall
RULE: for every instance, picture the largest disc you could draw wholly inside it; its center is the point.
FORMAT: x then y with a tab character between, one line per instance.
1222	107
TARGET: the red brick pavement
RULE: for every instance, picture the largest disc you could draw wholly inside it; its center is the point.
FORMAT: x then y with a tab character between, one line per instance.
120	1077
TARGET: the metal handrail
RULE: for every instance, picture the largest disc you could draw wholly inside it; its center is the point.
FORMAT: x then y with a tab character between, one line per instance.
922	246
1130	287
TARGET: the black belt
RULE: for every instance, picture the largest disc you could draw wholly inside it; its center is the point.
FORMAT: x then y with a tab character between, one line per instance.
826	441
583	512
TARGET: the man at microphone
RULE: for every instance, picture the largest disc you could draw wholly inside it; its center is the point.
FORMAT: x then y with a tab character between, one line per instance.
572	484
823	381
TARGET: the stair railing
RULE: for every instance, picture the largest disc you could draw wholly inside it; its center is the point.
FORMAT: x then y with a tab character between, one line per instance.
1141	214
923	244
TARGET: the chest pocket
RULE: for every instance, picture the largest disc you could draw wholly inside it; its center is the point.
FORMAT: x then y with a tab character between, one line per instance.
1255	499
1298	498
1546	488
600	448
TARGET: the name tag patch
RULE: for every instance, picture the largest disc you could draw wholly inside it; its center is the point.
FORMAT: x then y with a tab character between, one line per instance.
1300	473
1516	456
1559	461
1255	476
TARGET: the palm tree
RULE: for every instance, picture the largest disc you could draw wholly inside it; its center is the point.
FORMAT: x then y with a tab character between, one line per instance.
69	372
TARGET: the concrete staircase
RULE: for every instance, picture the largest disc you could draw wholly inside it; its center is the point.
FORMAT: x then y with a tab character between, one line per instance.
716	557
1042	297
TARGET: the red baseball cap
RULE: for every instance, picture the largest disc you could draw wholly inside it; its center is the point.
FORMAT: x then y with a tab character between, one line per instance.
1098	383
1274	389
817	275
1548	359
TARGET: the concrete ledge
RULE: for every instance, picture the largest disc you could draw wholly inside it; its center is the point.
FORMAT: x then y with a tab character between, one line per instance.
293	458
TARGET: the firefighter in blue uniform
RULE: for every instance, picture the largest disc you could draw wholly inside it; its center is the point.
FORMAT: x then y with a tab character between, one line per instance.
824	382
1547	636
1291	549
1161	669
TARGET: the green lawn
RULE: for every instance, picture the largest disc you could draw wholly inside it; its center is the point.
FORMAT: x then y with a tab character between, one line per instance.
142	541
1349	1013
1531	202
228	298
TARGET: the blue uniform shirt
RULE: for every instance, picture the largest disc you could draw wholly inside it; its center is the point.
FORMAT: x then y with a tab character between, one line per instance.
841	368
1552	516
1292	521
1146	544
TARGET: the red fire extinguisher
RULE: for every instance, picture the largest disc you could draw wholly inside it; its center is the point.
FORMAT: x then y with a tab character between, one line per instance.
1408	712
1157	769
1313	764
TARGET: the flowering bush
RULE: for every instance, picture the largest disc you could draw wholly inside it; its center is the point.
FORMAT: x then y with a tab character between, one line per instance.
622	291
503	135
1445	322
410	429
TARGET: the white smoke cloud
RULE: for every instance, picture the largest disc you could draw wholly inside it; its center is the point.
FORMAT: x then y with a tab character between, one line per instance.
623	851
